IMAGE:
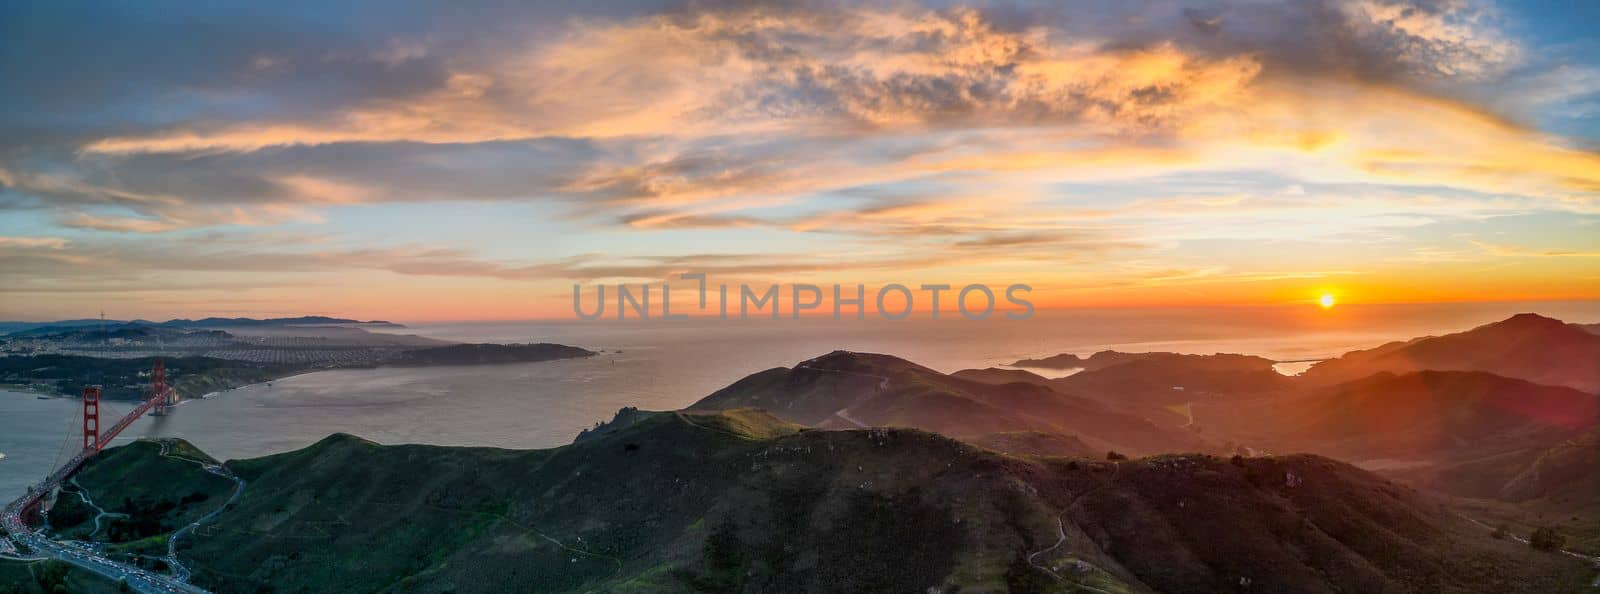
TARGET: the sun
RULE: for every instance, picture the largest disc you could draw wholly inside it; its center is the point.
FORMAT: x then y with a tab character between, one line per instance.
1326	301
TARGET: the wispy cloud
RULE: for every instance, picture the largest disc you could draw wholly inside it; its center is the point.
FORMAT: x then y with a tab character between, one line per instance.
54	243
985	135
711	104
1513	251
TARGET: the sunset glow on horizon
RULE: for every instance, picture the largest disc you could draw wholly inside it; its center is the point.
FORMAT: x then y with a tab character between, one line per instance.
396	162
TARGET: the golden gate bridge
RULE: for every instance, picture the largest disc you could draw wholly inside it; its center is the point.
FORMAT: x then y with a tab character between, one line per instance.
16	517
160	398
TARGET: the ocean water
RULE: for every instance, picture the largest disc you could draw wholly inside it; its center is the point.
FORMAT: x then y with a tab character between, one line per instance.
668	365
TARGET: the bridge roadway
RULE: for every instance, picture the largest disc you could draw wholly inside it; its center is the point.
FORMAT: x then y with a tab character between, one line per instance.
14	526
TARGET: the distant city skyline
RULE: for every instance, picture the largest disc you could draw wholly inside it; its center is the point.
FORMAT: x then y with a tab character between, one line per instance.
408	161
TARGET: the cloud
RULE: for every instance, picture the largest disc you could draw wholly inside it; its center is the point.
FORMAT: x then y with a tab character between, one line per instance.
125	224
999	134
750	71
1442	37
670	220
54	243
1513	251
70	263
708	103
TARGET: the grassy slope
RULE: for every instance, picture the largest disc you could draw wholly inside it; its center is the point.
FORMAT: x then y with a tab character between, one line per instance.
743	502
1033	443
1555	487
1189	524
631	509
19	577
159	493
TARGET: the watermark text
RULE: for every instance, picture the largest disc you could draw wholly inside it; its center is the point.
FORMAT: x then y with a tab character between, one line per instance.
893	301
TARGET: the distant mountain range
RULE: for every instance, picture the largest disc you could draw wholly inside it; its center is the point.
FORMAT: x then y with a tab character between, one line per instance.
1526	346
487	354
7	328
1098	360
296	321
845	390
1446	406
129	331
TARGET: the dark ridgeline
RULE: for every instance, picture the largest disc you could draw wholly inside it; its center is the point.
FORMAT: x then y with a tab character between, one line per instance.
488	354
741	501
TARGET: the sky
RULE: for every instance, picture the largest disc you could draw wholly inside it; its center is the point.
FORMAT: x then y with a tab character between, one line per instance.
476	160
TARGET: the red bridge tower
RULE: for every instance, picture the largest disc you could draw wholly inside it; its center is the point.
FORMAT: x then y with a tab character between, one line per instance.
159	389
91	417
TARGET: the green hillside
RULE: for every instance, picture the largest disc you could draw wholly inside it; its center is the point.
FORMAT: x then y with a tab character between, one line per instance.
145	490
743	502
50	577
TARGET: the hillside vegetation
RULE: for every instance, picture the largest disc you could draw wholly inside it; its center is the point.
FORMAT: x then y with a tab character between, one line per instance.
146	490
743	502
50	577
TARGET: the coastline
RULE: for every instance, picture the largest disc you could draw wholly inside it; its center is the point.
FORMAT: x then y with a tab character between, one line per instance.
28	389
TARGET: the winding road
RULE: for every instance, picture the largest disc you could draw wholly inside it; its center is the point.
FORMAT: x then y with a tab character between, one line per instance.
26	538
1061	531
83	496
178	569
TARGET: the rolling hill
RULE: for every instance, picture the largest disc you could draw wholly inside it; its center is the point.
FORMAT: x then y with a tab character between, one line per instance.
999	376
1467	434
1428	412
1525	346
1160	380
741	501
1433	416
1559	477
844	389
1097	360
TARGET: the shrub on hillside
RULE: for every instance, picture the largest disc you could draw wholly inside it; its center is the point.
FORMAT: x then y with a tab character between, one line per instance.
1546	538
